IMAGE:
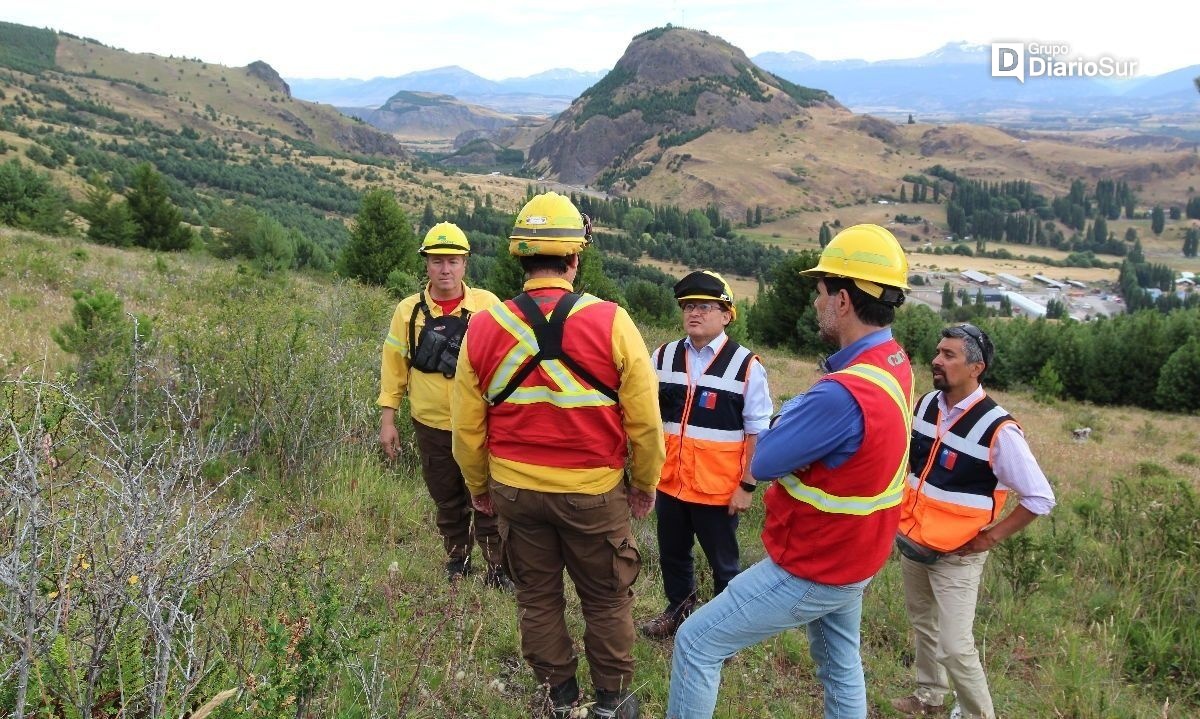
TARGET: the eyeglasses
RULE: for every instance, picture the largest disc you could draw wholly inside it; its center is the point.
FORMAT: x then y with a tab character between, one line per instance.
701	307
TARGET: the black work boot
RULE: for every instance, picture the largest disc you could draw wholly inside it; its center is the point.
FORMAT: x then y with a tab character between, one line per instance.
616	705
564	698
457	569
497	578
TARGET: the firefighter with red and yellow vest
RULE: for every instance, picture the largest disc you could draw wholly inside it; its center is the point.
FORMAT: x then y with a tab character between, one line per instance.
838	454
714	400
553	389
967	454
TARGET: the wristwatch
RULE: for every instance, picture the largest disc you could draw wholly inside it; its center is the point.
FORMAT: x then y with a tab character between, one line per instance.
748	486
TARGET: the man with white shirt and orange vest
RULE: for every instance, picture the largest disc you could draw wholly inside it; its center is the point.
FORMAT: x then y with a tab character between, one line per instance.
839	455
714	400
553	390
967	454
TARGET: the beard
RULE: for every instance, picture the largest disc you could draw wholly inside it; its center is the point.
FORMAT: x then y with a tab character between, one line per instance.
939	382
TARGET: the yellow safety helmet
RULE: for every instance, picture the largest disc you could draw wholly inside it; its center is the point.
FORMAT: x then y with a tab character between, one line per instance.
445	238
869	255
549	224
705	285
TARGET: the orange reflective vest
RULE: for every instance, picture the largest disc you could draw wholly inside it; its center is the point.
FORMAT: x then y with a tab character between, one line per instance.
836	525
951	491
702	424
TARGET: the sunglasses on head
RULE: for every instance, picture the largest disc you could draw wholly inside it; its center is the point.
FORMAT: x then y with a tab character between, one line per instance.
979	337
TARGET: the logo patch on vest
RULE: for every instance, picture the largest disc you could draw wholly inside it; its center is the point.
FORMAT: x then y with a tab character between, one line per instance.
708	400
947	457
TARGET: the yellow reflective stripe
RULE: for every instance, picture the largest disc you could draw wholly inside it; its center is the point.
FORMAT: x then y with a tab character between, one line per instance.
894	492
534	395
393	341
526	347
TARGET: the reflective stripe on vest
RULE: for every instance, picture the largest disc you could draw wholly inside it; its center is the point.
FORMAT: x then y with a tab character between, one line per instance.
952	491
890	496
570	391
732	380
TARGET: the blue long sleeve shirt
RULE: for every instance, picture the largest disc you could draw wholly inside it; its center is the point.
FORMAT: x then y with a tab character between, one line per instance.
824	424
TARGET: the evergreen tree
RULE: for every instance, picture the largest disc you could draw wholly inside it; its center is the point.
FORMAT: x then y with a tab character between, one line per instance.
381	241
159	221
109	223
1158	220
757	215
749	217
825	235
1179	381
903	196
947	297
506	277
428	219
911	121
1136	256
1191	242
30	201
1056	310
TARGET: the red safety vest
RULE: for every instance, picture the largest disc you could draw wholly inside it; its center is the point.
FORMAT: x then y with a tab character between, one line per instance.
577	426
836	526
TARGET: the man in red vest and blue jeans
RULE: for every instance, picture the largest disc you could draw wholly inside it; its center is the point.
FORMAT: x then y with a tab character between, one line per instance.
839	455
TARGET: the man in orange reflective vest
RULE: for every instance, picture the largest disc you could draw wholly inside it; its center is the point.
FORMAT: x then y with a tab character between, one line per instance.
967	454
419	358
840	455
552	388
714	401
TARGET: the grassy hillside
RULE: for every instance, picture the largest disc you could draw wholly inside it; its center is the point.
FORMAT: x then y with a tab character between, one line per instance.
342	610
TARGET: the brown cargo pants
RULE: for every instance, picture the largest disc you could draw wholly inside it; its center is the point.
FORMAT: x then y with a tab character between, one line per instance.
449	492
590	536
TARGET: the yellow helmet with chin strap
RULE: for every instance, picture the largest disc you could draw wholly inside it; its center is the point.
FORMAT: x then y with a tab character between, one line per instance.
549	224
869	255
445	238
705	285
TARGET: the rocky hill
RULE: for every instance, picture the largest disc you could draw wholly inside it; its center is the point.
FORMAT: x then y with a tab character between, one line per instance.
426	116
670	87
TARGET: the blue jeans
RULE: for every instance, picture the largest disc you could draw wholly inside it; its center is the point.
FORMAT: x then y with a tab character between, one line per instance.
759	603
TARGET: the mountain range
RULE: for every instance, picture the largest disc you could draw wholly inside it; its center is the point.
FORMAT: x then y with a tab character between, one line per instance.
545	92
950	83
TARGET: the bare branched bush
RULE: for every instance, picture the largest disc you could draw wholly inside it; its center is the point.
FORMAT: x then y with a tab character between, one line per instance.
113	529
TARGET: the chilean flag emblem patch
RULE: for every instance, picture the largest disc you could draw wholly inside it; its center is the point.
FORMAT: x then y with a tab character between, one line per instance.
947	457
708	400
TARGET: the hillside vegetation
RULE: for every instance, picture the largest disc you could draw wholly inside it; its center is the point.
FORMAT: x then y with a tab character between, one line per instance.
316	588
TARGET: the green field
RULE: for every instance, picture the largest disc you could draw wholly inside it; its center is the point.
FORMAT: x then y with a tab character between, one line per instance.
342	609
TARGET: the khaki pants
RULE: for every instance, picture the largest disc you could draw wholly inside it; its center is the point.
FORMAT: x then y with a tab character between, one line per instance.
941	598
589	536
449	492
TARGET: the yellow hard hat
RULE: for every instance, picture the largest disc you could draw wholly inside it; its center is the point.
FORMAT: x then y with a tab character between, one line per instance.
705	285
869	255
445	238
549	224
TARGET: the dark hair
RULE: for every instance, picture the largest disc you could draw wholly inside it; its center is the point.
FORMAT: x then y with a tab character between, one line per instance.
869	310
537	263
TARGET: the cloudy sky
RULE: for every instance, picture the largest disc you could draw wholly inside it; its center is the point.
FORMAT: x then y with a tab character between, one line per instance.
512	38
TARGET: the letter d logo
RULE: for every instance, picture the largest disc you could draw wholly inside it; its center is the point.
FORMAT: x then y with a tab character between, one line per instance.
1008	60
